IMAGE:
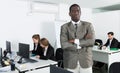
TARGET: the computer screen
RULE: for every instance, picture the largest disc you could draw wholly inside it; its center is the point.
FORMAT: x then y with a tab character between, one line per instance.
0	55
23	50
8	46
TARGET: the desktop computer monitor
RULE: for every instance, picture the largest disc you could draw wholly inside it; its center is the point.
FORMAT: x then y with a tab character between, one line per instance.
0	56
23	50
8	46
24	53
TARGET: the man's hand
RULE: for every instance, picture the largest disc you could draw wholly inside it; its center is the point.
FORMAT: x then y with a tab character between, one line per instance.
71	41
103	47
75	41
38	56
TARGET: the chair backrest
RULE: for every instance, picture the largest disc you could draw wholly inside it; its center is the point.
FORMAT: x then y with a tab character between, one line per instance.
98	42
54	69
119	45
0	56
59	54
59	57
114	67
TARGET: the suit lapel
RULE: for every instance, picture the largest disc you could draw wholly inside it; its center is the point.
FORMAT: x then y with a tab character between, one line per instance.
79	26
71	26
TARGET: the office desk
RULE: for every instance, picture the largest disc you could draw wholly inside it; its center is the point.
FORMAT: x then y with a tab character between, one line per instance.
22	68
43	70
27	67
7	69
106	56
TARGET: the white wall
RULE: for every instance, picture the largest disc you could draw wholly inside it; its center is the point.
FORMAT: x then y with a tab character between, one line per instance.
105	22
18	25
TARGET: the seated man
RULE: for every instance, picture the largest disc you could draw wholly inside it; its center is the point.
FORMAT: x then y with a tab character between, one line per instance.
111	42
48	50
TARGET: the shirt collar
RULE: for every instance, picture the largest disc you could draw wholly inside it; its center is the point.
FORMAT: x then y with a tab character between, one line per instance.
75	22
78	23
111	39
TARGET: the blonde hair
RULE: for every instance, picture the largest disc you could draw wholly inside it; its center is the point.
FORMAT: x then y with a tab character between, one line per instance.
44	41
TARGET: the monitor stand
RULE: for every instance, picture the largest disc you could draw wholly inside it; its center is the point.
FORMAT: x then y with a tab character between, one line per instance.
20	60
5	53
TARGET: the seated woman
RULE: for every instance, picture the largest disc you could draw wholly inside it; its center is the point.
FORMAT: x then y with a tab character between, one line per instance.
47	50
36	41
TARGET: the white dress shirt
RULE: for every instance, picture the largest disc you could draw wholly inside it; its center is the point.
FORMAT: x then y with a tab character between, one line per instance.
45	52
110	43
36	46
77	41
78	23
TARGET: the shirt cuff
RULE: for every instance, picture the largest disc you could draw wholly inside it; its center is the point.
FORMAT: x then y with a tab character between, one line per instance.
78	47
77	42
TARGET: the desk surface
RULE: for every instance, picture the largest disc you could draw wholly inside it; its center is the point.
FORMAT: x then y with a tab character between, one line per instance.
106	51
7	69
28	66
31	66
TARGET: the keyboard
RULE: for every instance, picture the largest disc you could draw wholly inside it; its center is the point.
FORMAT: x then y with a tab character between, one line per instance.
31	60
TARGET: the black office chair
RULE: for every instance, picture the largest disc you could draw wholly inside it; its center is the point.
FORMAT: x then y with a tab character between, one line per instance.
119	45
99	43
59	57
98	65
114	67
54	69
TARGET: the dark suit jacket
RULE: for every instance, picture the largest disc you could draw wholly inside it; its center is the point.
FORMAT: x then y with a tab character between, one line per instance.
49	54
38	50
114	43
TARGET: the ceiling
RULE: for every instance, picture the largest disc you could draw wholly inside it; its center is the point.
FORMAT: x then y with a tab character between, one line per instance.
85	3
111	7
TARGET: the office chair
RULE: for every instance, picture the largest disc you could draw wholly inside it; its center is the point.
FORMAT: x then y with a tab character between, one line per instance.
98	65
114	67
54	69
59	57
98	42
119	45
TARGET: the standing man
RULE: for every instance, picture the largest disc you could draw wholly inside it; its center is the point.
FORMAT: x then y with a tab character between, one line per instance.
77	40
